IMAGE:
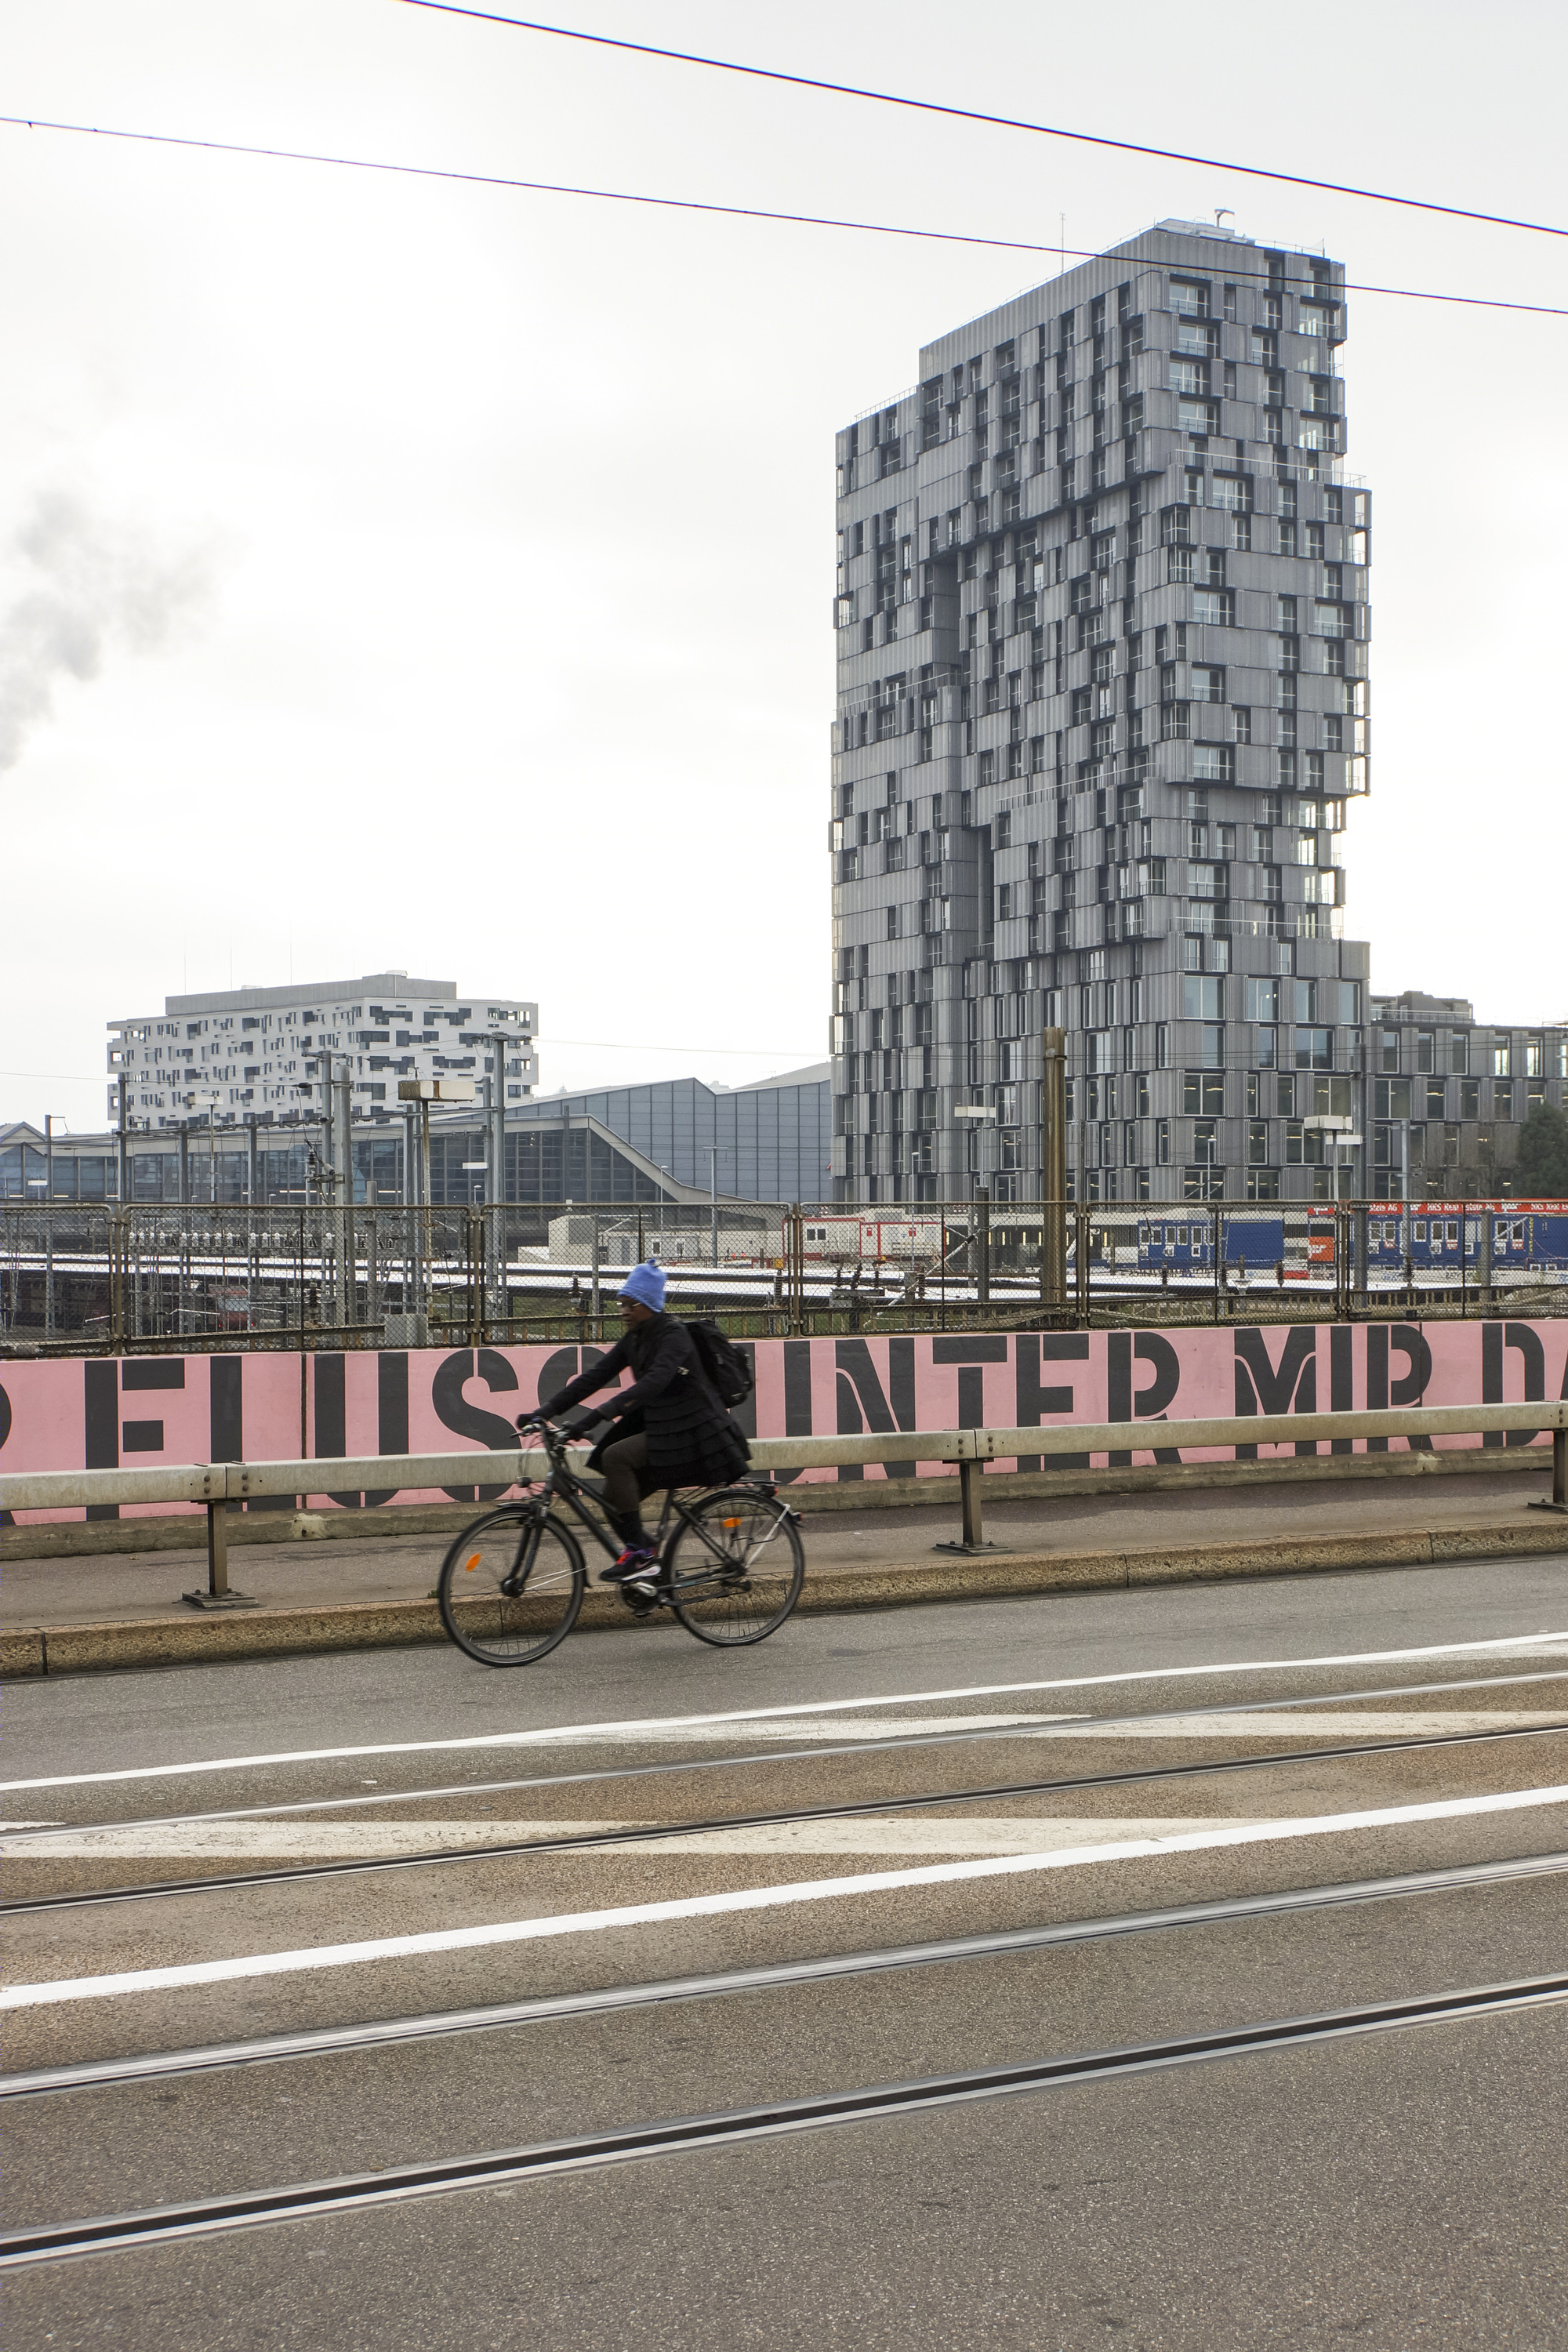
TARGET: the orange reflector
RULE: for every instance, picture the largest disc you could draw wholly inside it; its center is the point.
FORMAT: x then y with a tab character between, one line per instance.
731	1523
469	1565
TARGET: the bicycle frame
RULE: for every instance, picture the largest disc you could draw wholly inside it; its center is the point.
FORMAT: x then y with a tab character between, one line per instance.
567	1485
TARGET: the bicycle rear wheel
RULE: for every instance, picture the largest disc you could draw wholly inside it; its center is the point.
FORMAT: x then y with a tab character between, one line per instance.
736	1573
510	1587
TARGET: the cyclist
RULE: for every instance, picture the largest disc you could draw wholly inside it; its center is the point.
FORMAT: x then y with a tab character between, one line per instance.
668	1428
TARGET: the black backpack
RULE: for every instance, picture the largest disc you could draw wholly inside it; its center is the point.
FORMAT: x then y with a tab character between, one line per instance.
726	1370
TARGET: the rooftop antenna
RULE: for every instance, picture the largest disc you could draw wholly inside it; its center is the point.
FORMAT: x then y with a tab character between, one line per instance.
1223	212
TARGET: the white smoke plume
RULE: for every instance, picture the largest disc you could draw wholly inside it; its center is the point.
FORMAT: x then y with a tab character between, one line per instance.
97	584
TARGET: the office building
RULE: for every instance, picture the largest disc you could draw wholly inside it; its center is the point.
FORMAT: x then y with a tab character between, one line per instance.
262	1052
1102	638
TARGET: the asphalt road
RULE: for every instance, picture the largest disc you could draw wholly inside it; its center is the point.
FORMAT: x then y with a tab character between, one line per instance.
1045	1765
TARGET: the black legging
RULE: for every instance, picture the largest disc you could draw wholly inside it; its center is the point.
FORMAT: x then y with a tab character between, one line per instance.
626	1478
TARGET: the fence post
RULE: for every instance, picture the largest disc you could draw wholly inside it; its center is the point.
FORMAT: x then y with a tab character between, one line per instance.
795	1227
983	1243
1080	1247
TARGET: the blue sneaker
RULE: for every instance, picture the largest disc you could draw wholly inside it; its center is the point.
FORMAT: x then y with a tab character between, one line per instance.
638	1561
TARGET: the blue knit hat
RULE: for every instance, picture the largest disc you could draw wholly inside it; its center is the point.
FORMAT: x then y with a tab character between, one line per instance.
646	1283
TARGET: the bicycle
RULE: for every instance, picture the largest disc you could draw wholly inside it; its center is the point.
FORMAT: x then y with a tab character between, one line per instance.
512	1585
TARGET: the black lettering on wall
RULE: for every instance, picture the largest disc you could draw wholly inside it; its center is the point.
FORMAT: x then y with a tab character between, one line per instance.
1342	1380
861	1402
1495	1338
391	1416
226	1409
1404	1340
332	1423
101	1426
1260	1389
7	1518
797	1398
1122	1350
454	1412
744	1415
1032	1400
152	1372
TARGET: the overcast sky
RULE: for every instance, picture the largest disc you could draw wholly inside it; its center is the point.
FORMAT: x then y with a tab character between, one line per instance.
399	574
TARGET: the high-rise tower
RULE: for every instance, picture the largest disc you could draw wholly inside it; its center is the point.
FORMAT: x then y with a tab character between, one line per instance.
1102	657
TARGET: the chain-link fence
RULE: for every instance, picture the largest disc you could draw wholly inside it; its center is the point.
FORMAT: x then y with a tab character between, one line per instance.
75	1276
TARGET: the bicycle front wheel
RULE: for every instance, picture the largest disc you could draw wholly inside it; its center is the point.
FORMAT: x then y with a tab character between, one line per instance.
736	1570
511	1588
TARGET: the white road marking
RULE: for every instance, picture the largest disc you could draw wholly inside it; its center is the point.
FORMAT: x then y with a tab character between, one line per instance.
1524	1645
751	1898
245	1841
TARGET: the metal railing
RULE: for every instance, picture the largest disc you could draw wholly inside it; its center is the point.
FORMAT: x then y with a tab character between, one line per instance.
79	1277
217	1485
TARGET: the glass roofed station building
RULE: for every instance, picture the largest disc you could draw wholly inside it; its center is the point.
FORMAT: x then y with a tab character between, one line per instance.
1103	625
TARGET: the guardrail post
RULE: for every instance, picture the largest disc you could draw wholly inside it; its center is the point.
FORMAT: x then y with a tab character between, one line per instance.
972	1510
218	1595
1559	1475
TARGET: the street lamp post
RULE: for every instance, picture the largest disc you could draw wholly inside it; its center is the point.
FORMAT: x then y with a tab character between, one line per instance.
980	1115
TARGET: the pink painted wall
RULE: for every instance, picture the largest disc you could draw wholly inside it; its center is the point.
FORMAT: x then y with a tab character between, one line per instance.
140	1411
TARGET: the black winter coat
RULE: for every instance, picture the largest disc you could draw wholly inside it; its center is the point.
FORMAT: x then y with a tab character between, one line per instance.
690	1437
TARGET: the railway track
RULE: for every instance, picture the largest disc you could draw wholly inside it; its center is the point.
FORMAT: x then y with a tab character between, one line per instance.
1277	1861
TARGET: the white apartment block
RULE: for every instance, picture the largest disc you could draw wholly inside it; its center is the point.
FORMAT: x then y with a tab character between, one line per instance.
262	1052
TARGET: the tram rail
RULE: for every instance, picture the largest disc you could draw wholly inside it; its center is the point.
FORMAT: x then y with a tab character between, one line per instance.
691	2133
848	1809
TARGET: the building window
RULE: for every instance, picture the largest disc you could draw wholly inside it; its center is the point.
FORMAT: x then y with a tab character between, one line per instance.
1314	1049
1203	1091
1263	1184
1459	1052
1503	1057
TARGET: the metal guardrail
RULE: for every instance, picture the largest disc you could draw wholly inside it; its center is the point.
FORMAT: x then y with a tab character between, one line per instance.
218	1483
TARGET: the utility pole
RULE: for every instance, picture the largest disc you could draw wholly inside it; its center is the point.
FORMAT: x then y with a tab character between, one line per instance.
495	1185
124	1169
346	1135
48	1225
1053	1168
329	1156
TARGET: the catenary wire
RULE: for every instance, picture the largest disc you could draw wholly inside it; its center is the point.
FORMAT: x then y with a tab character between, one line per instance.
690	204
973	114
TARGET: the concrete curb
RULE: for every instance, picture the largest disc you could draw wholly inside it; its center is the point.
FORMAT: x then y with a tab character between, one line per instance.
32	1652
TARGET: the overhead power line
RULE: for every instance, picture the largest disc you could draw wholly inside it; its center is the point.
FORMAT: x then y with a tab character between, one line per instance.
973	114
690	204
